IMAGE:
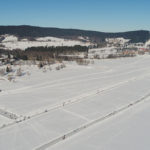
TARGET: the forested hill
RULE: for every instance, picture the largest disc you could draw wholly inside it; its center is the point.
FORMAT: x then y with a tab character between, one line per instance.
32	31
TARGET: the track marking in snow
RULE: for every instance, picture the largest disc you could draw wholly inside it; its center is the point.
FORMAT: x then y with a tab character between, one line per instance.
77	115
8	114
51	84
83	96
89	124
58	84
74	100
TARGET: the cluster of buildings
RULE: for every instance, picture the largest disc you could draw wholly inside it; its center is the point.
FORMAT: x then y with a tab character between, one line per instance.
120	47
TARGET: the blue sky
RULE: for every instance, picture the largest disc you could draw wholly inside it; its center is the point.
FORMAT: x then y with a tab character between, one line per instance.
100	15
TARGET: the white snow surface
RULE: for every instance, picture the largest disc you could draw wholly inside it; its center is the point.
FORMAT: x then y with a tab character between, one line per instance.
102	52
61	102
119	40
11	42
4	120
9	38
147	43
127	131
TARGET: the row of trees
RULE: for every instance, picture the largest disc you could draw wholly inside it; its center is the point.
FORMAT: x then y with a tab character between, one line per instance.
45	53
59	50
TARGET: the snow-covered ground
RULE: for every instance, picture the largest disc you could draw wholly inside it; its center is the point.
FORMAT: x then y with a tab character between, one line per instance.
11	42
102	52
4	120
92	106
120	40
147	43
126	131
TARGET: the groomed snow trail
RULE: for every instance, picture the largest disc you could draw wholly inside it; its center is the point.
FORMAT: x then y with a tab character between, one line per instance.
54	106
89	124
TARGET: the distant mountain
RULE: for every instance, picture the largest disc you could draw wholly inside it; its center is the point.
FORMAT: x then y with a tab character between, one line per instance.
32	32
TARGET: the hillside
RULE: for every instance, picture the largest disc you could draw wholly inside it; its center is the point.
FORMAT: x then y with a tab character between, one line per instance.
33	32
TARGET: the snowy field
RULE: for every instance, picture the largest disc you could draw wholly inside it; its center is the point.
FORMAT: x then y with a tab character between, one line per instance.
102	52
4	120
92	107
11	42
127	131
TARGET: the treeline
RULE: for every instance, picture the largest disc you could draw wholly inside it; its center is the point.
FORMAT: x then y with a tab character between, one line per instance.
59	50
46	53
32	32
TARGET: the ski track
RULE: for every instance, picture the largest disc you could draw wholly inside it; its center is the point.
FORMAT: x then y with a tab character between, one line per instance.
49	84
57	84
91	123
52	84
8	114
66	102
79	98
